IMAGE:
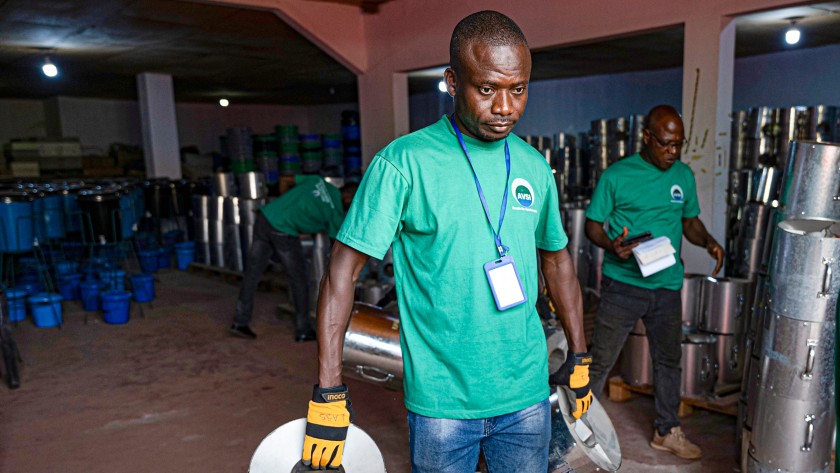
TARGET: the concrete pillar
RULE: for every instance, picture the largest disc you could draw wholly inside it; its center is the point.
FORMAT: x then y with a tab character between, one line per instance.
385	114
160	129
708	65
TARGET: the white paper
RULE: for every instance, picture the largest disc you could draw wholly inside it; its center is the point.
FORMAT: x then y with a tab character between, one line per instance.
655	255
506	285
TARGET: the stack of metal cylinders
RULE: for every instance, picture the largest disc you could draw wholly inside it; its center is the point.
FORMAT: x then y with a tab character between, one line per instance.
598	147
216	224
749	244
232	240
793	418
617	139
738	140
252	194
635	131
790	260
201	216
723	315
823	123
759	138
579	247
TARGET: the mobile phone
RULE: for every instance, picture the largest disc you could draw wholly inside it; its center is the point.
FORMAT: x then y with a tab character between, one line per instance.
636	238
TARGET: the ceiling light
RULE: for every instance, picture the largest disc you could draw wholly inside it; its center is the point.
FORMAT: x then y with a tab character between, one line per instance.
224	102
792	35
442	86
49	68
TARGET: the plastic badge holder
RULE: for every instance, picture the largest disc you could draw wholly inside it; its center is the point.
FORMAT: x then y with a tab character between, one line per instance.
505	283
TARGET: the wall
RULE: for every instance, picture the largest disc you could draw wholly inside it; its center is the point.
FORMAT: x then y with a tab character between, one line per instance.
98	123
21	119
569	105
796	77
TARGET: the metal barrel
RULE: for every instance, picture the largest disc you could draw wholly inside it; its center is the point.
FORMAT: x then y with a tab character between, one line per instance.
737	146
725	304
729	354
636	366
636	127
699	372
691	295
811	182
223	184
372	350
252	185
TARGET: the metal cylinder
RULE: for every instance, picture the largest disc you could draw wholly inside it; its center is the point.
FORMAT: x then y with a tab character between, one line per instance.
636	129
617	139
811	182
725	302
729	354
803	279
201	206
822	123
579	248
699	370
216	209
636	366
691	295
737	146
372	350
766	183
223	184
252	185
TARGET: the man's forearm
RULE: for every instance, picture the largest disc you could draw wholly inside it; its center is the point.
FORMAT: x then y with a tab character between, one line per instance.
564	290
695	232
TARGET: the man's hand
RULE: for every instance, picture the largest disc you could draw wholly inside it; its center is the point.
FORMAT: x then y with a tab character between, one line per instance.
623	251
574	377
716	252
329	417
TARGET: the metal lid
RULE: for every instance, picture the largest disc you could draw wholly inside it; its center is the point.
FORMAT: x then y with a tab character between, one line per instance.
594	433
279	452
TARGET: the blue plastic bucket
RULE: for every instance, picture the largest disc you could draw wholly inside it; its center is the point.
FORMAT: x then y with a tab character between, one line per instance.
165	257
148	260
68	286
72	212
54	216
16	300
65	267
113	280
39	224
144	287
90	294
46	309
184	254
15	225
31	287
115	306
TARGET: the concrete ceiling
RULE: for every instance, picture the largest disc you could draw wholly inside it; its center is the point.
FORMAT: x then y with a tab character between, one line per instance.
251	56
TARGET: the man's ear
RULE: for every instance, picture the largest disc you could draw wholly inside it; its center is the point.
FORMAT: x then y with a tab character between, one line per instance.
451	81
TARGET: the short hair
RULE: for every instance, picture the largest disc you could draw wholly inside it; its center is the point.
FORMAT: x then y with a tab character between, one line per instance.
659	112
488	27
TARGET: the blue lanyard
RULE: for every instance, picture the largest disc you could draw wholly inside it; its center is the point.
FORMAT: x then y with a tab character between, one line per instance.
497	235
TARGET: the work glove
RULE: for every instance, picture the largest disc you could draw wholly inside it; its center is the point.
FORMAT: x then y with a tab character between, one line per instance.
573	376
329	417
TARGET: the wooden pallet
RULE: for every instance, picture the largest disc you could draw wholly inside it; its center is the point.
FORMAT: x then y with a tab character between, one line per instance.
728	404
269	282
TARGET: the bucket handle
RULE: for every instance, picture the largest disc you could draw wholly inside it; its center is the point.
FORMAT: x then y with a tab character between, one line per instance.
809	433
360	369
808	374
826	285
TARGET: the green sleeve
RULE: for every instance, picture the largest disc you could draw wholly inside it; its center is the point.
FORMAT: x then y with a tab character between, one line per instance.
691	208
550	235
603	200
376	215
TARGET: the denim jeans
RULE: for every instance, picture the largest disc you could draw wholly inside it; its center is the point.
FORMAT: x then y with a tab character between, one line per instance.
516	442
268	241
661	312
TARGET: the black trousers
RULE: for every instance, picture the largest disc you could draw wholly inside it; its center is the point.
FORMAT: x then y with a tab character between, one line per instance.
267	242
661	311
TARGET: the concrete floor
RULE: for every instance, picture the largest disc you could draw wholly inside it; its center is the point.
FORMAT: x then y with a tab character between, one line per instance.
173	392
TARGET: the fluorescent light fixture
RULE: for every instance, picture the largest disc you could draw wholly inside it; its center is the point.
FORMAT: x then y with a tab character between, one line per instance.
442	86
224	102
792	35
49	68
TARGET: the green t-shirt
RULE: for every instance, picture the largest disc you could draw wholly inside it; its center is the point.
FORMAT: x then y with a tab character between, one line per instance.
312	206
463	358
634	193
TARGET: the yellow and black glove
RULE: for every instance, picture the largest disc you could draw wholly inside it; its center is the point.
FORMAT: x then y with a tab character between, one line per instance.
329	417
574	377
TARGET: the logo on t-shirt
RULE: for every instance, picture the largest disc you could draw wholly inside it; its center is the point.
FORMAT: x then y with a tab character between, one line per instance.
522	192
677	194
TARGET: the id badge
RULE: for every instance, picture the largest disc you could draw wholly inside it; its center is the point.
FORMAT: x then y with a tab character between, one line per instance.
505	283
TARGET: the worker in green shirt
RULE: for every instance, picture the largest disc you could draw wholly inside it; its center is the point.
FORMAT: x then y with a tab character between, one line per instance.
651	191
467	207
311	206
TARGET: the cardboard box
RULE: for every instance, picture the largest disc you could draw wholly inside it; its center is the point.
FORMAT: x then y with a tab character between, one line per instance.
20	169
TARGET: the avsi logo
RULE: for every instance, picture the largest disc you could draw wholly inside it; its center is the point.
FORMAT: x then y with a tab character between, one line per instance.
676	194
522	192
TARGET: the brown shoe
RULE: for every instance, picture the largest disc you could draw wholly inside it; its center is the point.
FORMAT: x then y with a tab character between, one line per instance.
676	443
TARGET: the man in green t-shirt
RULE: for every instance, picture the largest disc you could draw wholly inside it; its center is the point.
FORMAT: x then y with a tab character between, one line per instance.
450	200
311	206
651	191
